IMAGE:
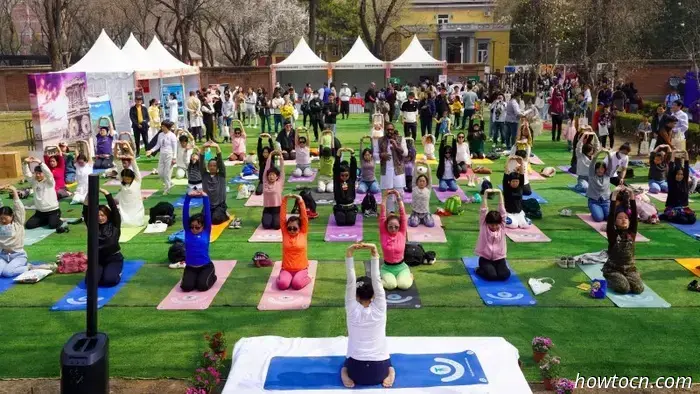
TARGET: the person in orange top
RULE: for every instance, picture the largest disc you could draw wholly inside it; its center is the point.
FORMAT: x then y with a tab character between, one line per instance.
295	262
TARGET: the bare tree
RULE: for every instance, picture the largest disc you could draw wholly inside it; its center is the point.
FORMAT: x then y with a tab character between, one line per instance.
377	20
10	40
688	32
175	21
57	19
313	7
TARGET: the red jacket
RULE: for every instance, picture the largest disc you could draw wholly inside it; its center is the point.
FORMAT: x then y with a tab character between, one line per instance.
556	105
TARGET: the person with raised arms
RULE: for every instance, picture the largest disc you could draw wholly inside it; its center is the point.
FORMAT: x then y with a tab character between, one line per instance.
599	187
368	361
199	273
295	261
45	200
110	259
273	183
620	270
491	245
393	234
13	258
129	197
214	183
344	180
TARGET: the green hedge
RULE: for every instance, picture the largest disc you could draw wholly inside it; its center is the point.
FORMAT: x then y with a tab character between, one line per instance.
649	107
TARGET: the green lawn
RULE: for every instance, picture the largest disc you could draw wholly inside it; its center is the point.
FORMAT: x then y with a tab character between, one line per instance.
593	336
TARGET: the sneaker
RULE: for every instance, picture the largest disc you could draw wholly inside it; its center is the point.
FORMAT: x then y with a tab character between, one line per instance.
178	265
237	223
154	171
566	212
311	214
571	262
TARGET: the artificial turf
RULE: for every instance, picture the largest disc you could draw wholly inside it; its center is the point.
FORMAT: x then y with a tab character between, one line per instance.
593	336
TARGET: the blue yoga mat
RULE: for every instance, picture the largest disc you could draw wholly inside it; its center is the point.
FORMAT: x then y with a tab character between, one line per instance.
6	283
98	170
534	195
76	299
571	187
511	292
691	229
238	179
36	234
648	298
413	370
195	202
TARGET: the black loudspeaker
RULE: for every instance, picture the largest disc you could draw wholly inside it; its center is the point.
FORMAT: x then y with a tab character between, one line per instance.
84	364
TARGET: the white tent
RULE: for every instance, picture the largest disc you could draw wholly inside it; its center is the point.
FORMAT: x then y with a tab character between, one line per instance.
302	66
415	64
167	63
103	57
358	66
144	65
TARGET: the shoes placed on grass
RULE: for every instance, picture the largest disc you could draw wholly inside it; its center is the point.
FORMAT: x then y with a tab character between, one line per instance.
50	266
694	286
311	214
178	265
566	262
566	212
236	223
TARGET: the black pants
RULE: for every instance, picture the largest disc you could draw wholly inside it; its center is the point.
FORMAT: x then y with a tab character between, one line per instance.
219	214
345	109
610	135
200	278
109	270
557	121
51	219
271	218
468	113
457	116
527	190
197	133
103	162
463	167
259	188
409	184
289	155
209	123
409	130
367	373
426	124
493	270
316	124
345	215
140	132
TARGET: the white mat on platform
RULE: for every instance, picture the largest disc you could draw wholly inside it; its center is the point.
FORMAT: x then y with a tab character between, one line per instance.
499	360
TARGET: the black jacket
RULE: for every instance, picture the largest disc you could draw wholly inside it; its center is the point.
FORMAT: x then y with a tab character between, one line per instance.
513	198
108	233
441	106
316	108
134	118
344	192
441	164
286	140
330	110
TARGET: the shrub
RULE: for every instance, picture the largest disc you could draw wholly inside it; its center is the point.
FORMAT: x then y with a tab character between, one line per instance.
626	123
550	367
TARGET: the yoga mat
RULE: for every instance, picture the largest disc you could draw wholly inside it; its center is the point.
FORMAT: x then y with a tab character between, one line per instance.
535	176
323	198
238	179
690	264
231	163
98	170
335	233
565	169
303	179
421	156
145	193
534	195
399	299
262	235
599	227
217	229
482	161
531	234
424	234
657	196
179	182
76	299
5	284
691	229
536	160
129	232
463	176
254	201
648	298
274	299
412	371
36	234
360	196
571	187
197	300
195	202
443	196
511	292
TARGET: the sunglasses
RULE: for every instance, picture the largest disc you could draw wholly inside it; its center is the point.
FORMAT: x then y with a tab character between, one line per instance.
392	227
292	229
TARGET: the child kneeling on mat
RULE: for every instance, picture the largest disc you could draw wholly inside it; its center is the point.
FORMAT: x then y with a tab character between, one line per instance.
620	270
325	171
392	234
303	154
513	184
344	179
13	258
295	261
368	181
421	196
448	170
368	361
199	272
677	209
491	245
273	183
110	258
658	169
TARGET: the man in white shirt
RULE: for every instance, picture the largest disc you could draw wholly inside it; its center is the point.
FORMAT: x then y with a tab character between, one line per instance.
617	164
167	144
344	95
322	92
679	132
513	114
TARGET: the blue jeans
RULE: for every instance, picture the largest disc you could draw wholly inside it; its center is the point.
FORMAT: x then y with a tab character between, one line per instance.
12	264
600	209
278	121
331	127
448	184
498	129
658	187
511	133
581	184
265	119
373	187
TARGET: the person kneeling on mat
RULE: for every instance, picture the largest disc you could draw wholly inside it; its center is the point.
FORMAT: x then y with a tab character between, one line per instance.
303	154
263	154
620	270
491	245
47	211
199	272
13	258
273	183
677	209
110	258
448	170
392	234
368	362
214	184
421	196
513	195
344	179
295	261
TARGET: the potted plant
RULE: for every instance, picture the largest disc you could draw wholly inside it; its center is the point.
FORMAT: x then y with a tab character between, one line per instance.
540	347
549	368
565	386
217	343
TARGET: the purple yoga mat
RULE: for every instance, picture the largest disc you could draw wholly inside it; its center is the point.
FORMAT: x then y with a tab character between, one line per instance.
565	170
360	196
300	179
443	196
335	233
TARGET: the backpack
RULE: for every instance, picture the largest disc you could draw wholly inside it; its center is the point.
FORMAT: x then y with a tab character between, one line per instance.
243	192
176	253
309	201
164	212
71	263
369	205
414	254
453	205
261	259
248	170
532	209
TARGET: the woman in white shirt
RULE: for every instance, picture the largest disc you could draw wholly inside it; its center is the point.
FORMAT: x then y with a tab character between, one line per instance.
83	169
167	144
173	113
129	197
368	362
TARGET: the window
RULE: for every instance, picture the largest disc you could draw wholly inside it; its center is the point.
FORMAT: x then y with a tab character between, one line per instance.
482	52
443	19
428	46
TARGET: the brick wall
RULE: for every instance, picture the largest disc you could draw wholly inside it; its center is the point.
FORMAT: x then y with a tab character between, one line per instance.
652	80
14	91
237	76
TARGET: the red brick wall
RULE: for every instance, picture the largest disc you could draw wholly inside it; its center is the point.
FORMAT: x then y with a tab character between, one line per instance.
14	91
237	76
652	80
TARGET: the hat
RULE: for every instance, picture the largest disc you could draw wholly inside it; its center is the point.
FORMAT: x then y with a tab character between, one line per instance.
344	84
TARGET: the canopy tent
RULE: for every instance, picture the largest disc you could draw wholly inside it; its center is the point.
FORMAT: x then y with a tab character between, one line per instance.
302	66
358	66
145	66
415	62
168	64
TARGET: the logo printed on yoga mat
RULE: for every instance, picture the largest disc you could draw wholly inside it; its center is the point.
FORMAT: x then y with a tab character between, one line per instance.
284	299
634	297
397	299
446	368
344	236
505	296
187	299
81	300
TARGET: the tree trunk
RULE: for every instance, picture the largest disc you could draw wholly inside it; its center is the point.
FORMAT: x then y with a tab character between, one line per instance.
313	5
52	13
185	30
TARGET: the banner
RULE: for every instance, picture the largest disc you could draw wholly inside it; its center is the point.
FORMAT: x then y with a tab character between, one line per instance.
100	107
179	93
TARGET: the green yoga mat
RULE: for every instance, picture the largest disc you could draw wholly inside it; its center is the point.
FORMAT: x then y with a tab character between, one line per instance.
36	234
648	298
129	232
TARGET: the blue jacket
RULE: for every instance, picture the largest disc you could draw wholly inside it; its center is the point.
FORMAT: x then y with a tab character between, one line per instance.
197	246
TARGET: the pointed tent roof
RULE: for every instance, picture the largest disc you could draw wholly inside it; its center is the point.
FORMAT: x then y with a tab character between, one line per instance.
145	66
301	58
359	57
168	64
415	56
103	57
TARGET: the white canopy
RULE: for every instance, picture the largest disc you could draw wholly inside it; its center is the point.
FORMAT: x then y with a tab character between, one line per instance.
415	56
168	64
103	57
302	58
359	57
145	66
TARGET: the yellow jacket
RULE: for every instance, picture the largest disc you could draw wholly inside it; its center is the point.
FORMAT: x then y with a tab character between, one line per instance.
154	115
456	107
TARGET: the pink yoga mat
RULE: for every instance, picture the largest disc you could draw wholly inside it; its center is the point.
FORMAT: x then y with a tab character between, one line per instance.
536	160
424	234
565	170
274	299
599	227
300	179
262	235
360	196
335	233
657	196
463	176
535	176
443	196
197	300
532	234
254	201
145	193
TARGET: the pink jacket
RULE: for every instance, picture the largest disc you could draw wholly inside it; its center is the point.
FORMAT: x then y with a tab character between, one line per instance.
59	172
239	145
491	245
393	246
272	194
